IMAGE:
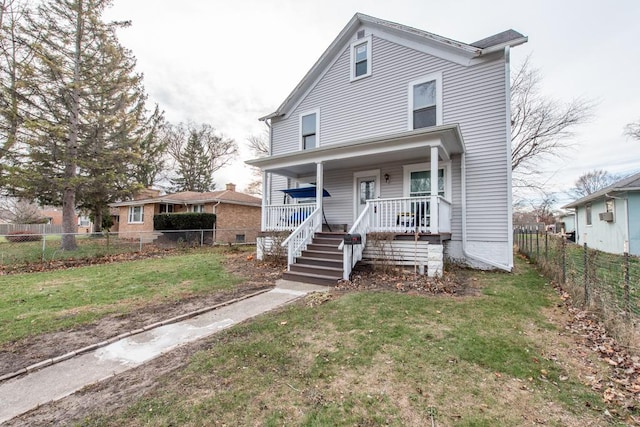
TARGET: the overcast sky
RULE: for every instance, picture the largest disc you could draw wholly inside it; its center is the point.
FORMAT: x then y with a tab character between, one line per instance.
227	63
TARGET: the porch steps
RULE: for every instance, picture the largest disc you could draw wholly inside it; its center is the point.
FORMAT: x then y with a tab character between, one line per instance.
320	263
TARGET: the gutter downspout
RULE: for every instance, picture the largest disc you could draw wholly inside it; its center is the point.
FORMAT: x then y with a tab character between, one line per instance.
463	173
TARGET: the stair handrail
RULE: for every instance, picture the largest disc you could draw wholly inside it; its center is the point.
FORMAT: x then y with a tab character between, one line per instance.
350	257
301	236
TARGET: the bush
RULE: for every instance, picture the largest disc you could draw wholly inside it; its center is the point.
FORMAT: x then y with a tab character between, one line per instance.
23	236
184	221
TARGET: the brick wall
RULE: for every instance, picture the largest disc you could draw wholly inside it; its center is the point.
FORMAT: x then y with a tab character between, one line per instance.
235	220
127	228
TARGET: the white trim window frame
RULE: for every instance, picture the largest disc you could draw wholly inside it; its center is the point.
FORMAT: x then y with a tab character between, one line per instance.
428	102
426	167
198	208
136	214
360	58
309	136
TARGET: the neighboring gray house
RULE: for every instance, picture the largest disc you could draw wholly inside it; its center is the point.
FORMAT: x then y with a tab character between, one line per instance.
408	133
609	219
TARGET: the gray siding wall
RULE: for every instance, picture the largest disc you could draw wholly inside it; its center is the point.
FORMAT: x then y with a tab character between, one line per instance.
473	97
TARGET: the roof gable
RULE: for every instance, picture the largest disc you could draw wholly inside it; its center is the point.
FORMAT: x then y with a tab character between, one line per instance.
444	47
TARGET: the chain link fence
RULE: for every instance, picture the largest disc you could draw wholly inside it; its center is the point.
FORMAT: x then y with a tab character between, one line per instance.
606	283
26	247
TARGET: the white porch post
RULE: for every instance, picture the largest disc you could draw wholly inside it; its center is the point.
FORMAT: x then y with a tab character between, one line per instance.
433	226
265	201
319	188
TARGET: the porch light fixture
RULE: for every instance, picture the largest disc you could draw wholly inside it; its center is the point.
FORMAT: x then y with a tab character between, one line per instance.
386	178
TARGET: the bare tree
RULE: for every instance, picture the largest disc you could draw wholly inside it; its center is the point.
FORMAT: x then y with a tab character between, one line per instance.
633	130
540	127
21	211
591	182
259	146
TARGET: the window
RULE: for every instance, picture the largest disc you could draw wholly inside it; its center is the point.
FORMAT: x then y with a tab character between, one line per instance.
196	208
420	183
166	208
136	214
417	180
309	130
361	58
588	213
425	101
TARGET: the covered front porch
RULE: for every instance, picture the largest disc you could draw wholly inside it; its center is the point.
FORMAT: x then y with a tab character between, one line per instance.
399	184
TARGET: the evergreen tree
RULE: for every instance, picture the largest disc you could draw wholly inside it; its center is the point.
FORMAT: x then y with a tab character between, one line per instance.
153	148
86	105
198	152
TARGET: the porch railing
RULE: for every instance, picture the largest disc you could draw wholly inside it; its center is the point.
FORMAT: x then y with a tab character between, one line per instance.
408	214
302	236
351	254
286	217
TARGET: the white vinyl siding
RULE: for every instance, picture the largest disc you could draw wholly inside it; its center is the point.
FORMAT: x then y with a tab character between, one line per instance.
136	214
473	97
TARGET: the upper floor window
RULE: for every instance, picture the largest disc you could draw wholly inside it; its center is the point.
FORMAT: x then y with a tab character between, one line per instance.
309	130
361	58
425	101
136	214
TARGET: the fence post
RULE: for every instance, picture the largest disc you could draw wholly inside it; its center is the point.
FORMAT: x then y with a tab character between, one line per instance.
201	238
44	246
627	297
140	237
546	245
586	274
564	259
537	243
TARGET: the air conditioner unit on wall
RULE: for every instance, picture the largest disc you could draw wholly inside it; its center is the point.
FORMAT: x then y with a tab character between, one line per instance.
606	216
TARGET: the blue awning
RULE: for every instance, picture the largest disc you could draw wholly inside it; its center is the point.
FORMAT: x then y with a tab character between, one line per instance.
304	193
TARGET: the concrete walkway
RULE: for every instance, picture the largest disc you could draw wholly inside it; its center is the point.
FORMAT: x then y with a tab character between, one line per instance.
21	394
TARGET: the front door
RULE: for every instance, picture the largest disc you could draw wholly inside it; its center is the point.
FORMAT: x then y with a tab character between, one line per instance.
366	186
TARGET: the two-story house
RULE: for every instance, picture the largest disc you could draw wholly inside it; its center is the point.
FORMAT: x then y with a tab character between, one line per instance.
400	133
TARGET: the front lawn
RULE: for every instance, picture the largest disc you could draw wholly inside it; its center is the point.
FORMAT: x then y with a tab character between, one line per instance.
36	303
386	358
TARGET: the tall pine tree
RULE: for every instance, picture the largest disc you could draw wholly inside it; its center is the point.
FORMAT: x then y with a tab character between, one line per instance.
87	104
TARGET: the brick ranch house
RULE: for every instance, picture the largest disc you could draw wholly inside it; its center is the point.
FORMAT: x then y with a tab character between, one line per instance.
238	215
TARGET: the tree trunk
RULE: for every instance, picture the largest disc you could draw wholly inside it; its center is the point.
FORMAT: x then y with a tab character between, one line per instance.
69	226
97	221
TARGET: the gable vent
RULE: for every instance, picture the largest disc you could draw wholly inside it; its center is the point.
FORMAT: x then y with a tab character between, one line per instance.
360	34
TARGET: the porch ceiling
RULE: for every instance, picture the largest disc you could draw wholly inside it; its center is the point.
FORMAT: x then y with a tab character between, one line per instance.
405	146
